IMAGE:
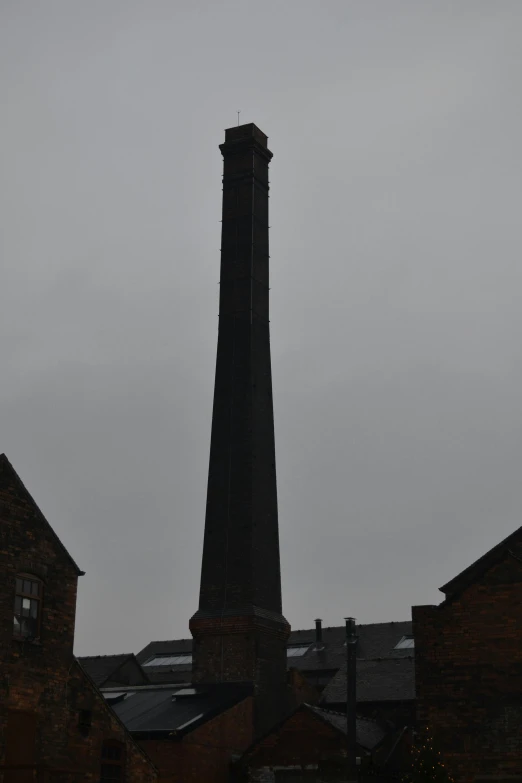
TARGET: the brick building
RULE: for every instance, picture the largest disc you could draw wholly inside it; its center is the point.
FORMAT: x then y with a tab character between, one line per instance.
310	743
468	665
54	723
385	687
194	731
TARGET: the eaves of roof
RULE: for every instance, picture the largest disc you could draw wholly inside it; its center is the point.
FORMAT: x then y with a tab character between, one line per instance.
473	572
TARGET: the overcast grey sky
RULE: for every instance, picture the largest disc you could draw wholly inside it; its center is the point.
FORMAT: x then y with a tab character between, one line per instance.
396	315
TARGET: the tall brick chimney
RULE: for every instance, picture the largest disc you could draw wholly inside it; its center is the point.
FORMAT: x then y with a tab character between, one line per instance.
239	631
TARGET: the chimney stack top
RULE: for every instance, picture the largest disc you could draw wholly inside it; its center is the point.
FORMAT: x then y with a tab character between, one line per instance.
244	132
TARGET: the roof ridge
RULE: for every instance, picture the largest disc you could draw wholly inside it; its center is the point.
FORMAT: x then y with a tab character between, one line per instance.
168	641
295	630
386	622
358	625
468	574
108	655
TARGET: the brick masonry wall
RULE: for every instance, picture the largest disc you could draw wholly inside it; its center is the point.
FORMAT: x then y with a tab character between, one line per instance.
302	739
300	689
245	649
468	668
42	678
206	753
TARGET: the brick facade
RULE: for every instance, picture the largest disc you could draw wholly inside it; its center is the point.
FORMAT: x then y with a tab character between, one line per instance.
205	754
468	661
245	649
302	740
52	718
300	689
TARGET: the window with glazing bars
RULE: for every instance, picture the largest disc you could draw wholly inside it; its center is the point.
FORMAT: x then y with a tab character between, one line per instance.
27	607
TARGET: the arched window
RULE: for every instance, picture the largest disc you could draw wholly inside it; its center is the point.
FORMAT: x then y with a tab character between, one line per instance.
27	607
112	762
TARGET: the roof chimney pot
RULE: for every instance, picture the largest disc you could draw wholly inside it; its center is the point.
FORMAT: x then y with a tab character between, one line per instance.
318	631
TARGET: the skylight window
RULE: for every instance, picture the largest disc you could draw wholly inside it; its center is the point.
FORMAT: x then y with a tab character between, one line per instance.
169	660
405	643
293	652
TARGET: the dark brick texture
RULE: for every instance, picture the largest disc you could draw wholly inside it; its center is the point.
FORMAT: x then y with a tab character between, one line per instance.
301	740
468	671
52	717
204	755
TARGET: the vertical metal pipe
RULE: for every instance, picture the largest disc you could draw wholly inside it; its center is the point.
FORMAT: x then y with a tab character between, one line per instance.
351	696
318	632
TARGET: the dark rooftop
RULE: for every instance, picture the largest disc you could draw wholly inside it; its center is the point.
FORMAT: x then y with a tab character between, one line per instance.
374	640
172	710
368	732
100	667
382	679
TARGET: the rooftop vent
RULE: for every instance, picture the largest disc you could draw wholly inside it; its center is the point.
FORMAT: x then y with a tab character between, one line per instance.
318	632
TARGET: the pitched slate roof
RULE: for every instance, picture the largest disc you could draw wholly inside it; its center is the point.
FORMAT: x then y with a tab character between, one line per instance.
158	710
172	672
100	667
374	640
368	732
170	647
511	544
382	679
161	675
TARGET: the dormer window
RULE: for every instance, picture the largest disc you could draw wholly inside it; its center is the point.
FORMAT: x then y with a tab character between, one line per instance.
27	607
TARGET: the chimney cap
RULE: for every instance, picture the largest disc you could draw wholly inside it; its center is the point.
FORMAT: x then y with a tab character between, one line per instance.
244	132
318	620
